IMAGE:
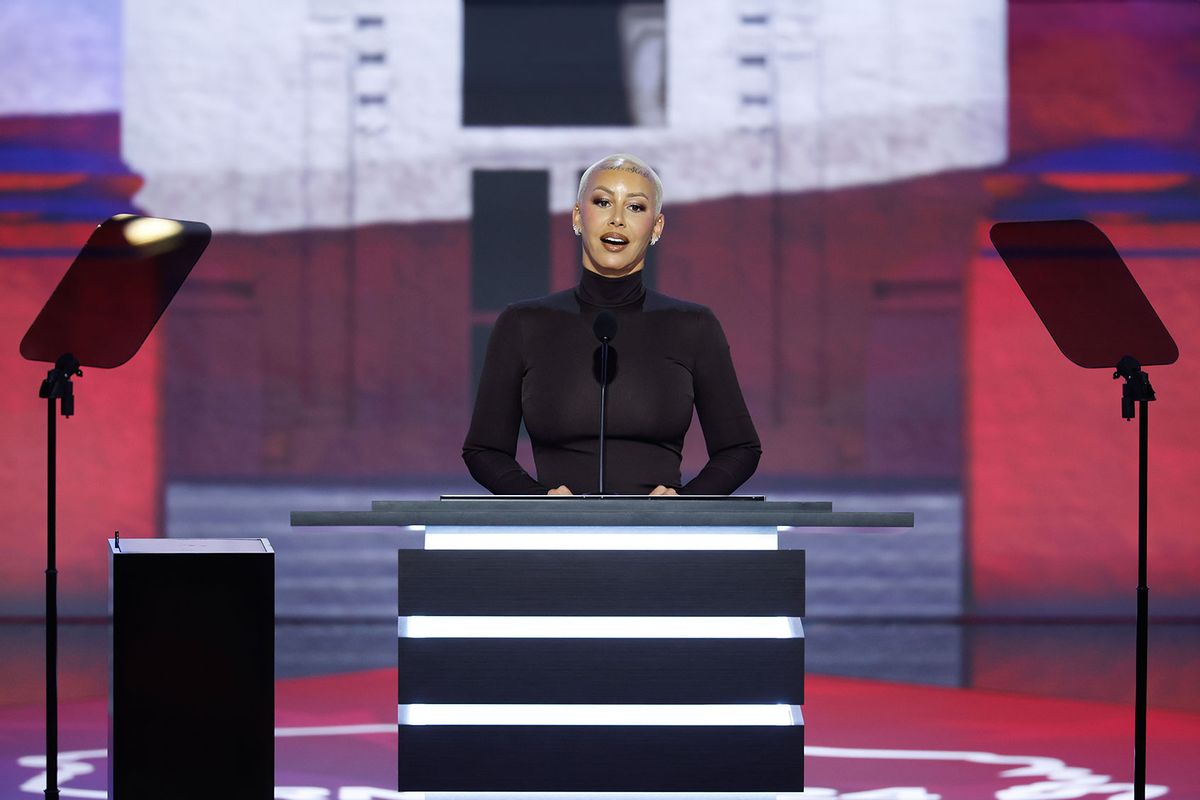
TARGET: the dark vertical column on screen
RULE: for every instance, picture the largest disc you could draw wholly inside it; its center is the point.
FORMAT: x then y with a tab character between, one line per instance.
510	248
548	62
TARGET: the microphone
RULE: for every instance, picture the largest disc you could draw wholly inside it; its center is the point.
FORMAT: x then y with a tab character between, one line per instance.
605	328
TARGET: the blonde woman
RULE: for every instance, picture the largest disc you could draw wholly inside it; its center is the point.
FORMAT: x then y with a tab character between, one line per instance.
670	356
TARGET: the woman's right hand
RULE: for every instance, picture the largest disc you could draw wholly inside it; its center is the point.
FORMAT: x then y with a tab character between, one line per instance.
560	490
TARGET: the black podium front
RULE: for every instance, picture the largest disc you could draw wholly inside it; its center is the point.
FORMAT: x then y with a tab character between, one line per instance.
624	645
192	696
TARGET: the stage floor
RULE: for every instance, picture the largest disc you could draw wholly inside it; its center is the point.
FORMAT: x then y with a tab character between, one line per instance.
869	740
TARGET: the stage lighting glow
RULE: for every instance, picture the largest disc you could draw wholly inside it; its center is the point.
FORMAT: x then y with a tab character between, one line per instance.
147	230
597	538
779	715
420	627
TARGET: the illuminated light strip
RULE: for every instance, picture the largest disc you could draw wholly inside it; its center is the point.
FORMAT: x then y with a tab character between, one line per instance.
419	627
745	715
611	796
595	538
335	730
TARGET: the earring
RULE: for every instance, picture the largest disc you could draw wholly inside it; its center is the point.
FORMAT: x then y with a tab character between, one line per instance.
653	241
577	231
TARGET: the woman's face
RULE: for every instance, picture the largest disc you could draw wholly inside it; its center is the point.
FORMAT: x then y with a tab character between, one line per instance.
616	215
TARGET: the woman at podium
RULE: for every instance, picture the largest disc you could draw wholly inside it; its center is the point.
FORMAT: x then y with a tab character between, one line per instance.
667	356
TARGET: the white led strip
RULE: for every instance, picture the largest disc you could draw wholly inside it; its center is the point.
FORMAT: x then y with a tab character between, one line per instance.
418	627
598	538
602	796
605	714
606	796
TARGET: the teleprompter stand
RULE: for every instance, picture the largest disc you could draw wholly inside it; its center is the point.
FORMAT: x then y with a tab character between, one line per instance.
98	316
1099	318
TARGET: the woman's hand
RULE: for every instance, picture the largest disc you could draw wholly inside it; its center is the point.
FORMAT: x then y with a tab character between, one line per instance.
562	490
664	491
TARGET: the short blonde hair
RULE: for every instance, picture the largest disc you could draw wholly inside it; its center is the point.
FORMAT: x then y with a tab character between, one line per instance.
629	163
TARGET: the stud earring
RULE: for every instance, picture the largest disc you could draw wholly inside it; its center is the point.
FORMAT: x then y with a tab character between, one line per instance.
577	231
653	240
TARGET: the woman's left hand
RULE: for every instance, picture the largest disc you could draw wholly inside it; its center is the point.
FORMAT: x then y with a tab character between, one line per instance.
663	491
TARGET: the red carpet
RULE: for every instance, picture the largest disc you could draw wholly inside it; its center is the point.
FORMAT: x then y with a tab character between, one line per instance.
864	737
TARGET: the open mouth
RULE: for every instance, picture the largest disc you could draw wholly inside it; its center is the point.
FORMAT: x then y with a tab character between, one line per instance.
613	242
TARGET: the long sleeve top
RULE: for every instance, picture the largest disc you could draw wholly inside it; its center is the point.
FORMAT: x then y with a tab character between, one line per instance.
542	366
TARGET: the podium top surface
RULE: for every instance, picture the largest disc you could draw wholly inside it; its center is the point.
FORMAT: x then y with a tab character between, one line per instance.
178	546
584	511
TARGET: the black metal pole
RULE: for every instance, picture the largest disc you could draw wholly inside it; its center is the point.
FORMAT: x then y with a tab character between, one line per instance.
51	604
1143	616
603	405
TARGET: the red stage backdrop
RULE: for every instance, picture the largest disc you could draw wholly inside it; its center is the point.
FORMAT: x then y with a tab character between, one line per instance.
59	176
109	470
1052	466
1105	112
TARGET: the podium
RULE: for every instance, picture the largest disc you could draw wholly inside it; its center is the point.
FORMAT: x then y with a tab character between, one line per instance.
602	644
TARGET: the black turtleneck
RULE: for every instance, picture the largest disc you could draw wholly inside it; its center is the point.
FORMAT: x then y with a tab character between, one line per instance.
668	354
